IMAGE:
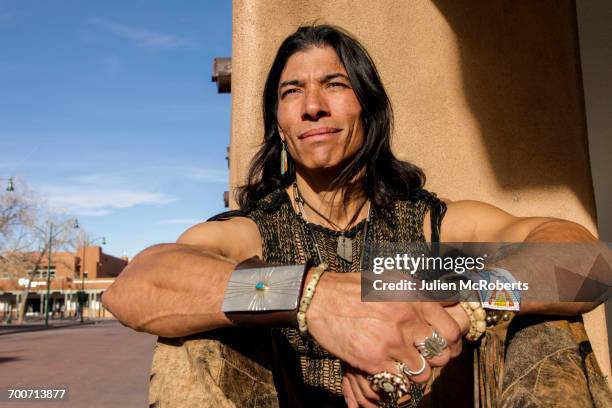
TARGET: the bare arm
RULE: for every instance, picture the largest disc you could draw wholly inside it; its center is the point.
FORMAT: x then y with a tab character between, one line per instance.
174	290
473	221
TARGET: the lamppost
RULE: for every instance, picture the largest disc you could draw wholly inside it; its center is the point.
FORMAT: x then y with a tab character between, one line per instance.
84	244
10	186
48	275
49	252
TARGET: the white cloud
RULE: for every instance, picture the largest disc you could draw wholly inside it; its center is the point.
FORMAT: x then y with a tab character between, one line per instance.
90	201
95	213
180	221
100	194
100	179
207	175
141	37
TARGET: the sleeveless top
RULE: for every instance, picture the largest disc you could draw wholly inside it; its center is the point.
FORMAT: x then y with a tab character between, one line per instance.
287	239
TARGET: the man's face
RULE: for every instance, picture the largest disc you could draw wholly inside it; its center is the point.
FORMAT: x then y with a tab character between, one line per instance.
318	113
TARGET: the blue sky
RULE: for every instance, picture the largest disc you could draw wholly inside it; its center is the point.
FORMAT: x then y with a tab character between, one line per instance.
107	109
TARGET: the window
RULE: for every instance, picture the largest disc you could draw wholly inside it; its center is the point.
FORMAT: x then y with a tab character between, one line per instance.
41	272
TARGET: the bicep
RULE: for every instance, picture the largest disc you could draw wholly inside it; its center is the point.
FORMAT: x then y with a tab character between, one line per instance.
237	238
476	221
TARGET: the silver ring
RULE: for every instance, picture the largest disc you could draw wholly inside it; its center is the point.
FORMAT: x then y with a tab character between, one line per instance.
408	372
395	386
432	346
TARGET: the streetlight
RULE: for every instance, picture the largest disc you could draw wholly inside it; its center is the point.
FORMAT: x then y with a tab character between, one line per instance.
48	275
85	243
49	252
10	186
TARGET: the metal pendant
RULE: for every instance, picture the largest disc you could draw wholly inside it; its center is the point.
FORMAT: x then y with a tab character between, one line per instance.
345	248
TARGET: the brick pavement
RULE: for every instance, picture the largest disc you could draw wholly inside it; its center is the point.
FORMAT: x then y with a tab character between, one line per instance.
102	365
6	329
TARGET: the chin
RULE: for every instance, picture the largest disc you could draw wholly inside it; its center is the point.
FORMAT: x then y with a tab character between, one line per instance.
325	162
314	165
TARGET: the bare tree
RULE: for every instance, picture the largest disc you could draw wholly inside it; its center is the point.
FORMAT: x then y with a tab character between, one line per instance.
25	237
16	210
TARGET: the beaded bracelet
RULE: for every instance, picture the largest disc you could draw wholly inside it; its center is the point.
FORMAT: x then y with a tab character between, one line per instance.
480	318
477	316
307	297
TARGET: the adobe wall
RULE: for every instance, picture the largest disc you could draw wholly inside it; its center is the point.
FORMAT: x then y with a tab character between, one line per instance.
487	96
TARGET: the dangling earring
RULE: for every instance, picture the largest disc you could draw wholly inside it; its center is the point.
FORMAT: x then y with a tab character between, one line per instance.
283	159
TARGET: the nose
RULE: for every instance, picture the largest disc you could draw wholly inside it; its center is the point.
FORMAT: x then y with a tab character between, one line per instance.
315	105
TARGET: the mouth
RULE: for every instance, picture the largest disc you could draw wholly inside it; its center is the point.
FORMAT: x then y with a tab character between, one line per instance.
318	132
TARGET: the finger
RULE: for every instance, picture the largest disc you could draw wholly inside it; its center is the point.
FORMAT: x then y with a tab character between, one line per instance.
347	391
434	361
418	369
361	399
409	356
366	388
438	317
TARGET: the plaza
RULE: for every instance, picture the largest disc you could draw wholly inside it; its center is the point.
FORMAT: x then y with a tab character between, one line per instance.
101	364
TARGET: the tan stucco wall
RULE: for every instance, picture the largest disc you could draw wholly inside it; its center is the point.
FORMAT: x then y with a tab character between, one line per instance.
595	32
487	97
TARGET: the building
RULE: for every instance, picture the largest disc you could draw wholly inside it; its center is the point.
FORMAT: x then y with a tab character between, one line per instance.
503	102
89	270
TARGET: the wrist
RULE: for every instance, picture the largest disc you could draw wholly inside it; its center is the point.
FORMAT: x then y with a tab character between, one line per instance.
315	310
334	292
460	317
259	294
308	294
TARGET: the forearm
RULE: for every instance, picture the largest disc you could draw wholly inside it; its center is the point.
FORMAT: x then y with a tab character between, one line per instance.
565	267
171	290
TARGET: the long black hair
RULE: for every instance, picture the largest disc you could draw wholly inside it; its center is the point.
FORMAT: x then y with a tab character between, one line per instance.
385	177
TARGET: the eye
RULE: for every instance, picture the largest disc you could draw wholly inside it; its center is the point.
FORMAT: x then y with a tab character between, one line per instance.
289	91
337	85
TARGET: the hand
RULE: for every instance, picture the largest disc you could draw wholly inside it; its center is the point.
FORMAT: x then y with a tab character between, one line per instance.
460	317
357	390
374	336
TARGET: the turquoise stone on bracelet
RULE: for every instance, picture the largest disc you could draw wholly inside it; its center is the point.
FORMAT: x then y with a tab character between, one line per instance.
260	286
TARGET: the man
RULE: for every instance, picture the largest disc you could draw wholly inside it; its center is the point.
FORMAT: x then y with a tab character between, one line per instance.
325	176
